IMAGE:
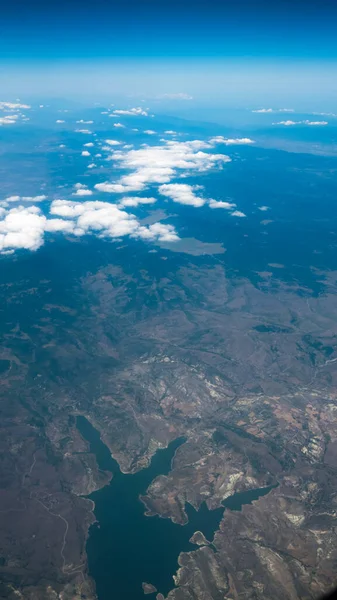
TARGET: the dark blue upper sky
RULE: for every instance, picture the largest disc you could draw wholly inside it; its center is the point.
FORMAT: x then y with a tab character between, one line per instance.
104	29
280	52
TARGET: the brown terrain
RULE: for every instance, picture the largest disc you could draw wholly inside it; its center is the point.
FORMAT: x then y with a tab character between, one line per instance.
247	373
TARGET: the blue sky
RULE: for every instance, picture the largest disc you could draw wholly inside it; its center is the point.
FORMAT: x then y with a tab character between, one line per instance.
207	46
43	30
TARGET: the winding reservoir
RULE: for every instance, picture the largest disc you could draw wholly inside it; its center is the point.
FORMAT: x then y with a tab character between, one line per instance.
126	548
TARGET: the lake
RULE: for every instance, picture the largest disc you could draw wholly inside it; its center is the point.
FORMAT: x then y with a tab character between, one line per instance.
125	547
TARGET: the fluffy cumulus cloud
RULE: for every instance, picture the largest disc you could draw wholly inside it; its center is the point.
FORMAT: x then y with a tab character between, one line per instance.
108	220
119	125
135	201
8	120
11	108
231	141
221	204
22	227
160	164
182	193
150	132
112	188
81	190
25	198
138	112
190	195
237	213
157	231
25	227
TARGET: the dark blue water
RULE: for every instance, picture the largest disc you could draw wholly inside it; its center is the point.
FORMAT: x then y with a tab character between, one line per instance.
126	548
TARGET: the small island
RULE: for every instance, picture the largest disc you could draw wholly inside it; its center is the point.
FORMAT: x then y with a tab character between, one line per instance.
148	588
199	539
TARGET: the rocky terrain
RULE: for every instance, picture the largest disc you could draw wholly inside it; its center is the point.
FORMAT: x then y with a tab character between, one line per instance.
245	371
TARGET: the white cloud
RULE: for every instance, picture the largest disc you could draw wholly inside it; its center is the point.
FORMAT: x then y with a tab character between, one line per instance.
13	106
60	121
111	188
230	141
83	131
221	204
119	125
68	209
88	145
10	119
82	192
85	122
325	114
22	228
274	110
263	208
132	111
159	164
157	231
112	142
238	213
182	193
25	198
53	225
92	165
6	121
150	132
135	201
108	220
287	123
319	123
85	153
170	132
306	122
62	146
